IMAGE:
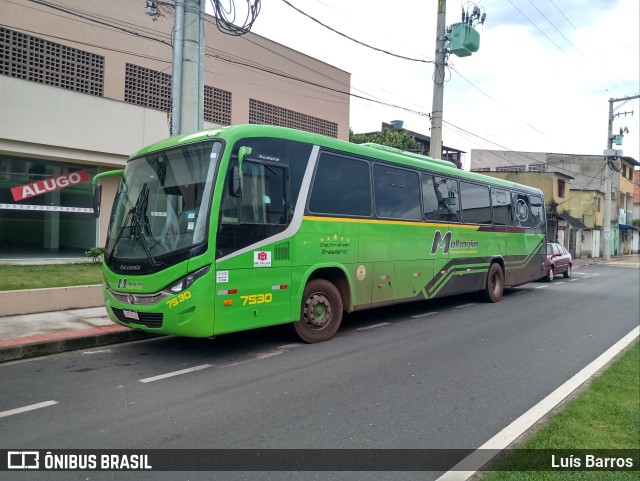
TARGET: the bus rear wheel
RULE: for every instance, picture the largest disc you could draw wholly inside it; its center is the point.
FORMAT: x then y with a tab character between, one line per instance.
495	284
320	312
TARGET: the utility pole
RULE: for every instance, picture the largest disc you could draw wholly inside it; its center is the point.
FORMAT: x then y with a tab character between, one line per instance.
435	145
460	39
609	155
187	87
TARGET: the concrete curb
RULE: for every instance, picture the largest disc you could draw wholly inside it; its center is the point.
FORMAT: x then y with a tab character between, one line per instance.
56	342
32	301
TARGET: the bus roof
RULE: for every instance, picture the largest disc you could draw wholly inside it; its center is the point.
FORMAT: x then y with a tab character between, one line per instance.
380	152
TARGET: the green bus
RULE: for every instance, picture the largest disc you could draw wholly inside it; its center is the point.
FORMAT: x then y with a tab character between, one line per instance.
252	225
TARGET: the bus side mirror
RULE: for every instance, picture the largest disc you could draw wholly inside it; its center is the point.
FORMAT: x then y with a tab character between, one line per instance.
237	181
97	197
97	188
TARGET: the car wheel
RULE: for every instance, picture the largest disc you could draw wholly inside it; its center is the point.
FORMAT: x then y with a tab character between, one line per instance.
320	312
550	275
567	273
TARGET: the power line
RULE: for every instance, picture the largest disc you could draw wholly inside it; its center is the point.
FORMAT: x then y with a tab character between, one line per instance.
130	32
355	40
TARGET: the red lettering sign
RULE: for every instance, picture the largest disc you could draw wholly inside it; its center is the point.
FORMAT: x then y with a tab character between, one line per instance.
49	185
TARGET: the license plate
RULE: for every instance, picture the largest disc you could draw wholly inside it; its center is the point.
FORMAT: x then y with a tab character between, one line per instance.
131	314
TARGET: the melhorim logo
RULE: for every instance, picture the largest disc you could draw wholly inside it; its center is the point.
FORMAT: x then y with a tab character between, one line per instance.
445	243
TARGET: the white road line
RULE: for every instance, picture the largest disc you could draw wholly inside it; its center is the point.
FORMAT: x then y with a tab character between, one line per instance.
581	273
175	373
520	292
24	409
464	305
560	282
373	326
517	428
540	287
572	280
419	316
290	346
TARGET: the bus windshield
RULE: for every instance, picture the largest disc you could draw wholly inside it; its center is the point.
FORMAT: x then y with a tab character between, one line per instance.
161	207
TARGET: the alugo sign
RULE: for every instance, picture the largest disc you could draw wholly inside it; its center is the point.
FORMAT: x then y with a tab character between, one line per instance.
49	185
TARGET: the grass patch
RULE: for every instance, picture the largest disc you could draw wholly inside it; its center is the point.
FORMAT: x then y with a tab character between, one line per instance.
50	275
605	416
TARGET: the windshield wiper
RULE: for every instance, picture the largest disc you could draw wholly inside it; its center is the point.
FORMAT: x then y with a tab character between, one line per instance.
137	221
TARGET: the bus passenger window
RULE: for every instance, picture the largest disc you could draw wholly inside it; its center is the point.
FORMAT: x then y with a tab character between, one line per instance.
397	193
476	204
522	210
537	212
501	203
341	186
440	199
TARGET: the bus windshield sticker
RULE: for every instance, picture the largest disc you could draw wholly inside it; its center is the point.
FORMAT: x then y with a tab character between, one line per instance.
222	277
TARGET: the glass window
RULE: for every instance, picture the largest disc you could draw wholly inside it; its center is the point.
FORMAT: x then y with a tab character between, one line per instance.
501	203
440	199
45	208
476	203
522	210
537	212
263	198
397	193
341	186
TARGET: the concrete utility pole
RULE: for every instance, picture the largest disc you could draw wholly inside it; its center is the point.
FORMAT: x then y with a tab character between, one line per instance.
435	145
609	155
187	87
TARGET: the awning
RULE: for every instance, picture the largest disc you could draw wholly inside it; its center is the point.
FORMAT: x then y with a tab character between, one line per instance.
573	221
627	226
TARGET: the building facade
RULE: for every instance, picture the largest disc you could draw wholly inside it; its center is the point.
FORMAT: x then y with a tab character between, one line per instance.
577	198
86	83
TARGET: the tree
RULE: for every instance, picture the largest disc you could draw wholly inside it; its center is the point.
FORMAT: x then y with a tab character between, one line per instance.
400	139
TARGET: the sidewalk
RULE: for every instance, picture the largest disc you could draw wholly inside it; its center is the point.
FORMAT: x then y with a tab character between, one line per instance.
45	333
32	335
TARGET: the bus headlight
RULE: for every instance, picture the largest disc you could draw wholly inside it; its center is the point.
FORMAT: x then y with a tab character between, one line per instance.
186	281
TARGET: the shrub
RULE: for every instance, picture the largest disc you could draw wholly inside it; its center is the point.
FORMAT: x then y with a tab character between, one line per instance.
96	254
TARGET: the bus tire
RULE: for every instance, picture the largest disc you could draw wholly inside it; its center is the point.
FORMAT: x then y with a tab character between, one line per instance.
494	285
320	312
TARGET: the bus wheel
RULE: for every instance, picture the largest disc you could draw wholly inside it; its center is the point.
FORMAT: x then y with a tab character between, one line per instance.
320	313
495	284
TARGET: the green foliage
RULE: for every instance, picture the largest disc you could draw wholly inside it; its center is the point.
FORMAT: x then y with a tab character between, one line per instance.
636	222
96	254
400	139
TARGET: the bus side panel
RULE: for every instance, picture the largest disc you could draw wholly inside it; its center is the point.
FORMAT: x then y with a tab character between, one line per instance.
247	298
525	257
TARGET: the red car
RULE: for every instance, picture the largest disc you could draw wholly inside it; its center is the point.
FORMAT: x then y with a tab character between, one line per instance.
558	261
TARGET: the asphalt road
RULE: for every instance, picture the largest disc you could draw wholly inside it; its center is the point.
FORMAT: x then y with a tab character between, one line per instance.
438	374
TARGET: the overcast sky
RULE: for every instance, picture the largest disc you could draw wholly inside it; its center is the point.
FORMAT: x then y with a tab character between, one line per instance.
540	82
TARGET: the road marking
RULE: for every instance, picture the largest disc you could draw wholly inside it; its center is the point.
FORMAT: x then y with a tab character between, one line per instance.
175	373
540	287
560	282
572	280
290	346
476	460
519	292
373	326
99	351
418	316
464	305
24	409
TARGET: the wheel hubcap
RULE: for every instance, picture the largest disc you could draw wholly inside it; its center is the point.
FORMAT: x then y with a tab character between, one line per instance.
317	312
